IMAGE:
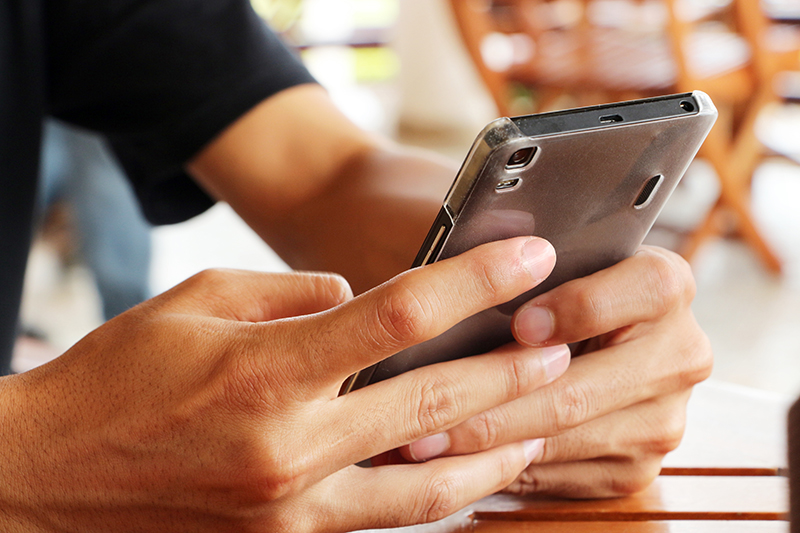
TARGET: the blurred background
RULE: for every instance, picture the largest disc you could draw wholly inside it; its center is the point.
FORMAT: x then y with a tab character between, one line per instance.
432	73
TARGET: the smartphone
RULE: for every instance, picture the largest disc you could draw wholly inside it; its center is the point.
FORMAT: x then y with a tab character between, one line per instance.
589	180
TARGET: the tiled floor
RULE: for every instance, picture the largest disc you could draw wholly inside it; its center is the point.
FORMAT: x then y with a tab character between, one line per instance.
751	317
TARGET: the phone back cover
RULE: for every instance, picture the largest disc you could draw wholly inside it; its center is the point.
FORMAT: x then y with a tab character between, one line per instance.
578	192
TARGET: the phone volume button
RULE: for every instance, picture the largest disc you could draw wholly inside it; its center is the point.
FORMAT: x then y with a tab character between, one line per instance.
434	246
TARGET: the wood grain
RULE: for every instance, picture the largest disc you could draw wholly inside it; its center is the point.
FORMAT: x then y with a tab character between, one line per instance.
722	471
669	498
685	526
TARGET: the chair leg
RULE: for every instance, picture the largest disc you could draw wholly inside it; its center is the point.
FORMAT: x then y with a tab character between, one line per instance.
747	150
734	196
738	201
707	230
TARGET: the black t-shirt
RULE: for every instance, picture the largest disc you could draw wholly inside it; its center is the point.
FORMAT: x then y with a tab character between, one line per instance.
160	78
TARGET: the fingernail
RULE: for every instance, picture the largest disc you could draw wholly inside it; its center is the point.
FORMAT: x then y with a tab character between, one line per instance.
534	325
533	449
555	360
429	447
537	256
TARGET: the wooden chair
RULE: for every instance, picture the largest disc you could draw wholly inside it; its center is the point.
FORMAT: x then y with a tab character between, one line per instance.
780	33
605	50
774	48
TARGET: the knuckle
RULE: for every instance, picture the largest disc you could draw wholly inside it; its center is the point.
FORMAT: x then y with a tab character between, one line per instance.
276	473
570	406
507	472
698	360
670	439
437	406
439	500
337	287
528	482
212	285
213	278
491	280
484	430
671	279
589	307
554	450
637	476
704	358
518	376
274	485
664	429
403	317
328	287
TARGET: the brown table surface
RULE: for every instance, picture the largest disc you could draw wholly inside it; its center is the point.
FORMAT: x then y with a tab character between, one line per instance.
725	477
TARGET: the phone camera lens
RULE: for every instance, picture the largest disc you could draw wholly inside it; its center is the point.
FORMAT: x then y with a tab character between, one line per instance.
521	157
687	106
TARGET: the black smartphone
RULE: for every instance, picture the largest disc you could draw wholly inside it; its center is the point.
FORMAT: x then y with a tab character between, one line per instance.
589	180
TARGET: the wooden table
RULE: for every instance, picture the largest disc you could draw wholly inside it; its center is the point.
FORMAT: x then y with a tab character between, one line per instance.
726	477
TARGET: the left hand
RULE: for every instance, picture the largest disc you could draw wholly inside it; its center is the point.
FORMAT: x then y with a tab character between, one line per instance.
620	407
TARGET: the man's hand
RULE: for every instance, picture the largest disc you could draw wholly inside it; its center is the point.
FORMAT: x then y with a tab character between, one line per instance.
327	196
214	406
621	406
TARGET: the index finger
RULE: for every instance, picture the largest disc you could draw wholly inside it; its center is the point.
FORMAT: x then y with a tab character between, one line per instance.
642	288
419	305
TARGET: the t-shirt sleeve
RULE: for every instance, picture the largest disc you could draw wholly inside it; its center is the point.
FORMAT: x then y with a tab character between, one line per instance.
162	78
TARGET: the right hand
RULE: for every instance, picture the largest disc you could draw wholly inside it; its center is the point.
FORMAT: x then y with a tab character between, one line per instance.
214	406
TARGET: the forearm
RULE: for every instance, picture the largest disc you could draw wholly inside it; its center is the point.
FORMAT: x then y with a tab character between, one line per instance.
369	225
331	197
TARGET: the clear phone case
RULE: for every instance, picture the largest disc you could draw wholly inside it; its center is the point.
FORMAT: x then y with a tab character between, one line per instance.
591	181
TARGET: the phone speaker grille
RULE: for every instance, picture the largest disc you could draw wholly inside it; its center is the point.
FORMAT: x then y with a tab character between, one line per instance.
647	192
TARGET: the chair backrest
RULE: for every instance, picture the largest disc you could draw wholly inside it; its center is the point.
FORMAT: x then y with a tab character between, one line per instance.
610	49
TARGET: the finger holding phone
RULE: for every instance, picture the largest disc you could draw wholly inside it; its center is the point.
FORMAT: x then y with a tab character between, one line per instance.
214	406
592	182
620	408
